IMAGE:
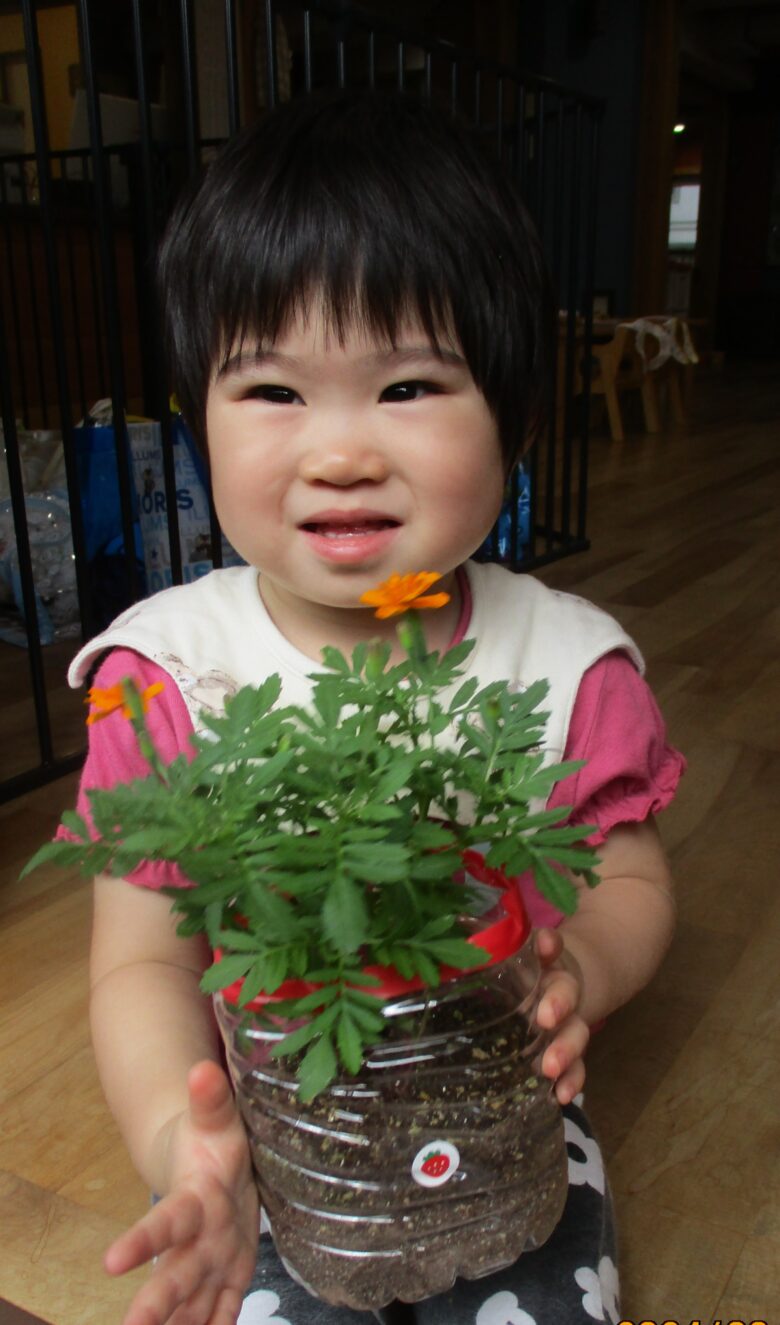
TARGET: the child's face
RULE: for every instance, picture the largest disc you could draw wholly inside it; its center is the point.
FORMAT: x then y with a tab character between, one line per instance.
335	465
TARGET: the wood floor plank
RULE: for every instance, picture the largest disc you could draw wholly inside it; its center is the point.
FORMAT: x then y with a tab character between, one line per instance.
661	1280
705	1141
108	1184
72	1137
52	1251
753	1290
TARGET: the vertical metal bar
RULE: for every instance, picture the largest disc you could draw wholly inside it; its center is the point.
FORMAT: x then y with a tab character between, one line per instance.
192	129
540	147
371	60
146	204
454	87
532	459
551	442
477	96
341	61
559	187
572	303
13	294
190	86
110	299
428	74
590	262
521	145
97	310
307	50
538	188
558	355
270	49
32	286
521	178
401	61
149	326
231	56
16	485
38	111
78	339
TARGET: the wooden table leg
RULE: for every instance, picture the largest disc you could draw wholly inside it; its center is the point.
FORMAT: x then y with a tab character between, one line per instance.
613	412
650	405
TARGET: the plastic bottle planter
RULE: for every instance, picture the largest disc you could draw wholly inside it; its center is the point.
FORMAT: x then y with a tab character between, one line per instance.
444	1157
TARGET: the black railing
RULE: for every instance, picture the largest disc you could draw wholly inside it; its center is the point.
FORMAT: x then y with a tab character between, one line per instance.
79	229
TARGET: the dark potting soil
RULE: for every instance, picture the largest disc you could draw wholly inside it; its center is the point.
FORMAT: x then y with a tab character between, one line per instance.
335	1175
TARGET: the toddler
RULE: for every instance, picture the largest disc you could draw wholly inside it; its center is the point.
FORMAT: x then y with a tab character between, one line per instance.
359	325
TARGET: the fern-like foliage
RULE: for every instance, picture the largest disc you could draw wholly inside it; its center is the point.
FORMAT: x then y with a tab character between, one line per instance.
324	840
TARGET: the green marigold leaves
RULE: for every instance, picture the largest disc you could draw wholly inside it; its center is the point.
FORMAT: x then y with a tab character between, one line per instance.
324	841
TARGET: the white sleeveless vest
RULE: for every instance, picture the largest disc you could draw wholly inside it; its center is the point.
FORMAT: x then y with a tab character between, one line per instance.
214	636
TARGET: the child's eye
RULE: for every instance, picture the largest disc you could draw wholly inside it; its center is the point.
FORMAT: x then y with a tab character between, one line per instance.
275	395
401	391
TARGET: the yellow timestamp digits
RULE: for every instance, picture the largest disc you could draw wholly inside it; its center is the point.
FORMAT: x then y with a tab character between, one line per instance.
692	1322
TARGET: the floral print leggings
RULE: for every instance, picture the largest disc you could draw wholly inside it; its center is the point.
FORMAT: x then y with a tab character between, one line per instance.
571	1280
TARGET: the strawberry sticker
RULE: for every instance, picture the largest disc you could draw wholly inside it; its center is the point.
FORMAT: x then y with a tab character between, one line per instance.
435	1163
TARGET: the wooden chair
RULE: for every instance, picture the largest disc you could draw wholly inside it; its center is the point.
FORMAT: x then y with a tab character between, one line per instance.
616	366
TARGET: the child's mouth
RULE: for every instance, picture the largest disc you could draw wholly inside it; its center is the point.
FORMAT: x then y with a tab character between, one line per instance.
349	539
349	530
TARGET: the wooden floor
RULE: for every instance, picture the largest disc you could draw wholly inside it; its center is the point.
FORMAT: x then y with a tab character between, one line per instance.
684	1084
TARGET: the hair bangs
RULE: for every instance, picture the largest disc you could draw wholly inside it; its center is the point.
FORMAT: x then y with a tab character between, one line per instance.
319	261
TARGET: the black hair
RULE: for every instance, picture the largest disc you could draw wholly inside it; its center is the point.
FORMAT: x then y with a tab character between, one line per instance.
381	206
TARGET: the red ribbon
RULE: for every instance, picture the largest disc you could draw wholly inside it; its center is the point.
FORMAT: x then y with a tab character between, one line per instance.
501	939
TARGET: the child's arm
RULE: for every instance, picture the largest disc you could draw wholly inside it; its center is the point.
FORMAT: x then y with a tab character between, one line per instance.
609	950
157	1053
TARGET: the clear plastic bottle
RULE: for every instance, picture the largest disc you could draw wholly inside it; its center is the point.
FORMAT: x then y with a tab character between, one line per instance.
444	1157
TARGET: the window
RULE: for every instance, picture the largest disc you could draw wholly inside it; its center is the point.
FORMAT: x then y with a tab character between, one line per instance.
683	216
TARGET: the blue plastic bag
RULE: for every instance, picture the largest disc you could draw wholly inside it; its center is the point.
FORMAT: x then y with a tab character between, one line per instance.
99	488
498	545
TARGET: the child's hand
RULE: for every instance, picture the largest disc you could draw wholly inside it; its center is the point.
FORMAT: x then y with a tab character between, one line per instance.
205	1231
562	1061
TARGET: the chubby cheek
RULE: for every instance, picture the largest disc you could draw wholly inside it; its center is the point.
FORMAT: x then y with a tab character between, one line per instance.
247	508
472	487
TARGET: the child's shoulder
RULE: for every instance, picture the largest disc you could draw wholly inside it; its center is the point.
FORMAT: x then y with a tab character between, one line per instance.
205	607
506	600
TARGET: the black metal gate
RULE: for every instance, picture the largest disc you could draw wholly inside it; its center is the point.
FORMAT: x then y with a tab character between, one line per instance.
79	228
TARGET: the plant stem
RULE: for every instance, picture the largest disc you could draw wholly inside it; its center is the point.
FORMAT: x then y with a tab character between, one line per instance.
135	706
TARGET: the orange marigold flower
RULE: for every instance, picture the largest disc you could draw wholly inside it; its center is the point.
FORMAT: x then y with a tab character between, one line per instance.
106	700
401	592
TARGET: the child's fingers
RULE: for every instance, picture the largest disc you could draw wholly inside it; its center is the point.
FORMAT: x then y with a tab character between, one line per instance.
201	1306
227	1308
566	1049
571	1083
179	1290
560	999
212	1106
173	1222
549	945
553	953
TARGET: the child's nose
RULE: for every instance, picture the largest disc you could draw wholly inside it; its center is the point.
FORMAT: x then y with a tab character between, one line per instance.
344	463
